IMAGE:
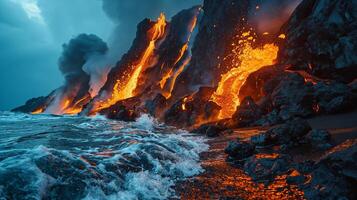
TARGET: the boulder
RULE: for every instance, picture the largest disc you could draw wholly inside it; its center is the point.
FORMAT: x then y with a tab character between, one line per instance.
247	112
210	130
239	150
291	134
321	38
335	174
292	97
264	167
319	139
156	105
333	97
193	110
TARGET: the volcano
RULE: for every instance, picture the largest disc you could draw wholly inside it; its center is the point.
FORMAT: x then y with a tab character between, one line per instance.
215	68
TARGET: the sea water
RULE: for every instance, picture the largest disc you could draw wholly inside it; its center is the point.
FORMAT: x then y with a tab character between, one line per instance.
69	157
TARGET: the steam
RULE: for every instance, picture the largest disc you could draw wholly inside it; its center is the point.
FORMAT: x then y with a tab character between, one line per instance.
270	15
76	53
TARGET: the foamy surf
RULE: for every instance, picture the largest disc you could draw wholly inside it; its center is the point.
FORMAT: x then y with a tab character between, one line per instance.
48	157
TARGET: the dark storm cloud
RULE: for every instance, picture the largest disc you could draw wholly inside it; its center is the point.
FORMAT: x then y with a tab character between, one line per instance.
29	48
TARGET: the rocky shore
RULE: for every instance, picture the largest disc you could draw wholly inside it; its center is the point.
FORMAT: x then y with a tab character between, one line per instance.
300	159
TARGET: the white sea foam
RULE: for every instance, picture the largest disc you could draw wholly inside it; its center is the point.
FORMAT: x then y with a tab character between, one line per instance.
100	158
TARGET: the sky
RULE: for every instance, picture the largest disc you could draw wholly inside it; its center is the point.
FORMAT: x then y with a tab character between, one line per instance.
32	33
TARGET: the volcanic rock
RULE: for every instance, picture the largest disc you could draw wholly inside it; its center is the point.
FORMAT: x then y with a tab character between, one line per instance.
157	105
291	134
335	174
321	38
247	112
125	110
262	82
210	130
192	110
220	23
239	150
262	167
292	97
319	138
33	104
334	97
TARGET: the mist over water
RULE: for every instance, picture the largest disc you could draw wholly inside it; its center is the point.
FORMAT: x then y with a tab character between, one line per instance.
65	157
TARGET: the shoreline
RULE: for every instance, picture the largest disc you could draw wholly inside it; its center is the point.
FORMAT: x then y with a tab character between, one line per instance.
222	180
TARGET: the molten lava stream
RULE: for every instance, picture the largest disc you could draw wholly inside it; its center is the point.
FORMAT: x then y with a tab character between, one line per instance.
169	80
251	59
126	90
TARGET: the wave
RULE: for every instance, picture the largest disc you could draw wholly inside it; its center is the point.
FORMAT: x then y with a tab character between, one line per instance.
94	158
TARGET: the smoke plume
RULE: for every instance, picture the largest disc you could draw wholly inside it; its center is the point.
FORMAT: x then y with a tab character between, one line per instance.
76	53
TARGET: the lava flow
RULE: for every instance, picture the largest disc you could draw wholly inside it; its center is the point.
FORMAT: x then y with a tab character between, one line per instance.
247	60
168	81
124	90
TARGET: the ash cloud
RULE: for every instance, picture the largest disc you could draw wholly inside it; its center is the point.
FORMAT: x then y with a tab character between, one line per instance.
76	53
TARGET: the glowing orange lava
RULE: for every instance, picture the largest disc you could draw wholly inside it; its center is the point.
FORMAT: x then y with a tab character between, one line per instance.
172	75
125	90
249	60
38	111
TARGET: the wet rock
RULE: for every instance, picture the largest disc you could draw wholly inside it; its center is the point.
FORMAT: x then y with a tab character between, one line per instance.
32	105
335	174
270	119
239	150
193	110
247	112
157	105
353	86
120	112
296	178
333	97
293	97
319	139
266	166
210	130
291	134
321	39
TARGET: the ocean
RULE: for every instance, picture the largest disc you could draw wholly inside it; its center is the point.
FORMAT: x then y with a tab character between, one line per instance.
71	157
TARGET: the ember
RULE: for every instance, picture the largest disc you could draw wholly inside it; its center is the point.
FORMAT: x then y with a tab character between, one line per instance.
247	59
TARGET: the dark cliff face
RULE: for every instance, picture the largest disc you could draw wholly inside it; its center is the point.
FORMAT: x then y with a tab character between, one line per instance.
220	23
322	39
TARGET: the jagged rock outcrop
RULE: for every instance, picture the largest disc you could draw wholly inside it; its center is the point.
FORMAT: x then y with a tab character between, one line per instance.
319	139
264	167
247	113
193	110
334	176
333	97
33	105
321	38
221	21
289	134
